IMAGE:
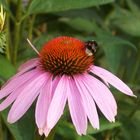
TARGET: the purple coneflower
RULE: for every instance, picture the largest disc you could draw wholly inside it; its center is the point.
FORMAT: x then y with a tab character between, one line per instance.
62	73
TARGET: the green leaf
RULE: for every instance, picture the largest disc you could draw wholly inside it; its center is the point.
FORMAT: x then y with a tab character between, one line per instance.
5	5
80	24
87	137
12	128
131	127
23	129
133	6
6	68
86	13
127	24
66	130
114	48
49	6
104	125
2	41
126	21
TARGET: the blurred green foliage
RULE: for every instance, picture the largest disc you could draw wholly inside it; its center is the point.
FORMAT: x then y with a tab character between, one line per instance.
115	25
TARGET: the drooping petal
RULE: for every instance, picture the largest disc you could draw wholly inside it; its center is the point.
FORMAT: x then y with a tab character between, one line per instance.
102	96
112	79
47	131
43	103
15	93
29	64
88	102
55	82
17	82
11	98
76	108
26	98
41	131
58	103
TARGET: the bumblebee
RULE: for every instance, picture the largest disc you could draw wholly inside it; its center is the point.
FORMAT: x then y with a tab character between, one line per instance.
90	47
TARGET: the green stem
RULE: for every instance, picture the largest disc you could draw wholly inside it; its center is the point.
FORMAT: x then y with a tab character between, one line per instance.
17	30
26	14
1	131
30	27
107	135
8	37
16	42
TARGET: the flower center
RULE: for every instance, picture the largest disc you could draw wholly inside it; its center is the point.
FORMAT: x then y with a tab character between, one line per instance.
65	55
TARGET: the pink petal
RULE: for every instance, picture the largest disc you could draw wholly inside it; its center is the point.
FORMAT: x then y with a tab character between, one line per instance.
11	98
112	79
29	64
47	131
41	131
88	102
16	82
77	111
43	103
58	103
26	98
102	96
55	83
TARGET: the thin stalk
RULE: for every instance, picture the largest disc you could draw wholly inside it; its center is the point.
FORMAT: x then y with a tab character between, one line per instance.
107	135
9	12
26	14
8	38
30	27
17	30
16	42
1	131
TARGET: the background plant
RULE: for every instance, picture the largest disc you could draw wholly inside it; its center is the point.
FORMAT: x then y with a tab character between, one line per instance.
115	25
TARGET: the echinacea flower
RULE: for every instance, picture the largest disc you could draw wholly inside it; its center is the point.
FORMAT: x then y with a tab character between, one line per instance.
62	74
